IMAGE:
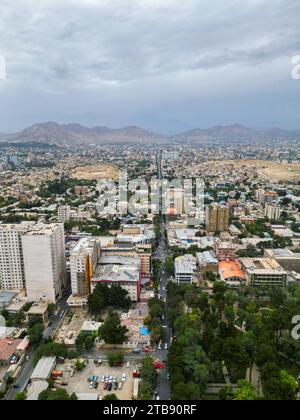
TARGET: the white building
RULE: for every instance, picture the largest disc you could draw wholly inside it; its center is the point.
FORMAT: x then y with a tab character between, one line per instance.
12	276
44	262
83	262
125	271
185	269
272	212
64	213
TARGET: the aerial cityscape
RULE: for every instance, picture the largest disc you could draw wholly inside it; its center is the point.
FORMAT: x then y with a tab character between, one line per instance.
149	244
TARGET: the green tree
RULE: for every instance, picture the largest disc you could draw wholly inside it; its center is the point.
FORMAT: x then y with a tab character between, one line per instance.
245	392
112	332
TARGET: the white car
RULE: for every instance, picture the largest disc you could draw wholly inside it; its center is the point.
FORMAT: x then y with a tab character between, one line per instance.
128	365
166	346
124	377
103	379
164	289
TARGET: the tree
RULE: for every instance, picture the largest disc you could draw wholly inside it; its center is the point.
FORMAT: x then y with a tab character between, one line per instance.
110	397
245	392
20	396
115	359
79	366
112	332
85	341
36	333
57	395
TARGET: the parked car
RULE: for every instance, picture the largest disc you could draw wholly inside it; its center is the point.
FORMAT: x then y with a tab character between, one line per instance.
105	386
16	386
124	377
128	365
116	386
110	385
120	386
96	385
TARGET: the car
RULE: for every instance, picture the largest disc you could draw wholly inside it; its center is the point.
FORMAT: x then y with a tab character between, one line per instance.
163	317
100	361
159	347
103	379
146	350
110	385
166	346
136	351
114	380
168	376
120	386
164	289
128	365
105	386
96	385
116	386
91	385
17	386
124	377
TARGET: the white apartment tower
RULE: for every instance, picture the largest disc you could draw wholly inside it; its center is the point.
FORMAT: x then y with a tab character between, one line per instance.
12	276
44	262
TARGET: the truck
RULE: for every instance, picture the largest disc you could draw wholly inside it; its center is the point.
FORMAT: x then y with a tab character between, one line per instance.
57	373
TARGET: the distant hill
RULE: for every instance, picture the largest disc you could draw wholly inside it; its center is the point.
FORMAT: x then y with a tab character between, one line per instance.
76	134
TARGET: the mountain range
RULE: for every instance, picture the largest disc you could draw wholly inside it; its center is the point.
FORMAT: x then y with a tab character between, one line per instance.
76	134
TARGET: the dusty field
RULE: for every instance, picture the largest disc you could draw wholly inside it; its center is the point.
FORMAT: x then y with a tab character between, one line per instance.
95	172
79	384
266	169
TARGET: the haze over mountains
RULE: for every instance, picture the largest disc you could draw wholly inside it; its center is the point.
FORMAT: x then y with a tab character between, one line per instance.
76	134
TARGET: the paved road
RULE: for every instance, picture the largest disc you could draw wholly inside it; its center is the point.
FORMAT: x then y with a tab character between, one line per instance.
28	366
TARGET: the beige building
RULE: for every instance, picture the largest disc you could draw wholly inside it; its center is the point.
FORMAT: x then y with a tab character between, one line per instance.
83	262
217	218
264	272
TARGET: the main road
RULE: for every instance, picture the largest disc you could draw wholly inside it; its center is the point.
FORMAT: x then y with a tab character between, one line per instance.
163	390
28	366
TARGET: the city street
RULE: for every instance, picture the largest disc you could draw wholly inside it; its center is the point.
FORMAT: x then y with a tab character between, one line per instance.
28	366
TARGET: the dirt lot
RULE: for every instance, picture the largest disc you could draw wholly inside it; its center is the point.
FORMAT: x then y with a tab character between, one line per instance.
96	172
80	385
266	169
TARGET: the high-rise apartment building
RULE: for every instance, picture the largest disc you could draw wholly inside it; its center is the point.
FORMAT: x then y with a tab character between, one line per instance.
44	262
12	276
84	258
217	218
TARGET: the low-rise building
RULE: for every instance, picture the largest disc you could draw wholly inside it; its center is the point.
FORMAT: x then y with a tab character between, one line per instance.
185	269
264	272
231	273
125	271
207	261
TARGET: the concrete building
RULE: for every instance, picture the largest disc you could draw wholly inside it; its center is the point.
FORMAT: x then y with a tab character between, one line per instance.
64	214
272	212
12	276
207	261
185	269
217	218
264	272
44	262
125	271
288	259
225	250
84	258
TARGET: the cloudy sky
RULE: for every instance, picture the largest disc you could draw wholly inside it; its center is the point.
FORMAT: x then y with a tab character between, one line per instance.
168	65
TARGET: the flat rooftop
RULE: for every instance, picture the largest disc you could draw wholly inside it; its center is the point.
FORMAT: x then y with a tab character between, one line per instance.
262	266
